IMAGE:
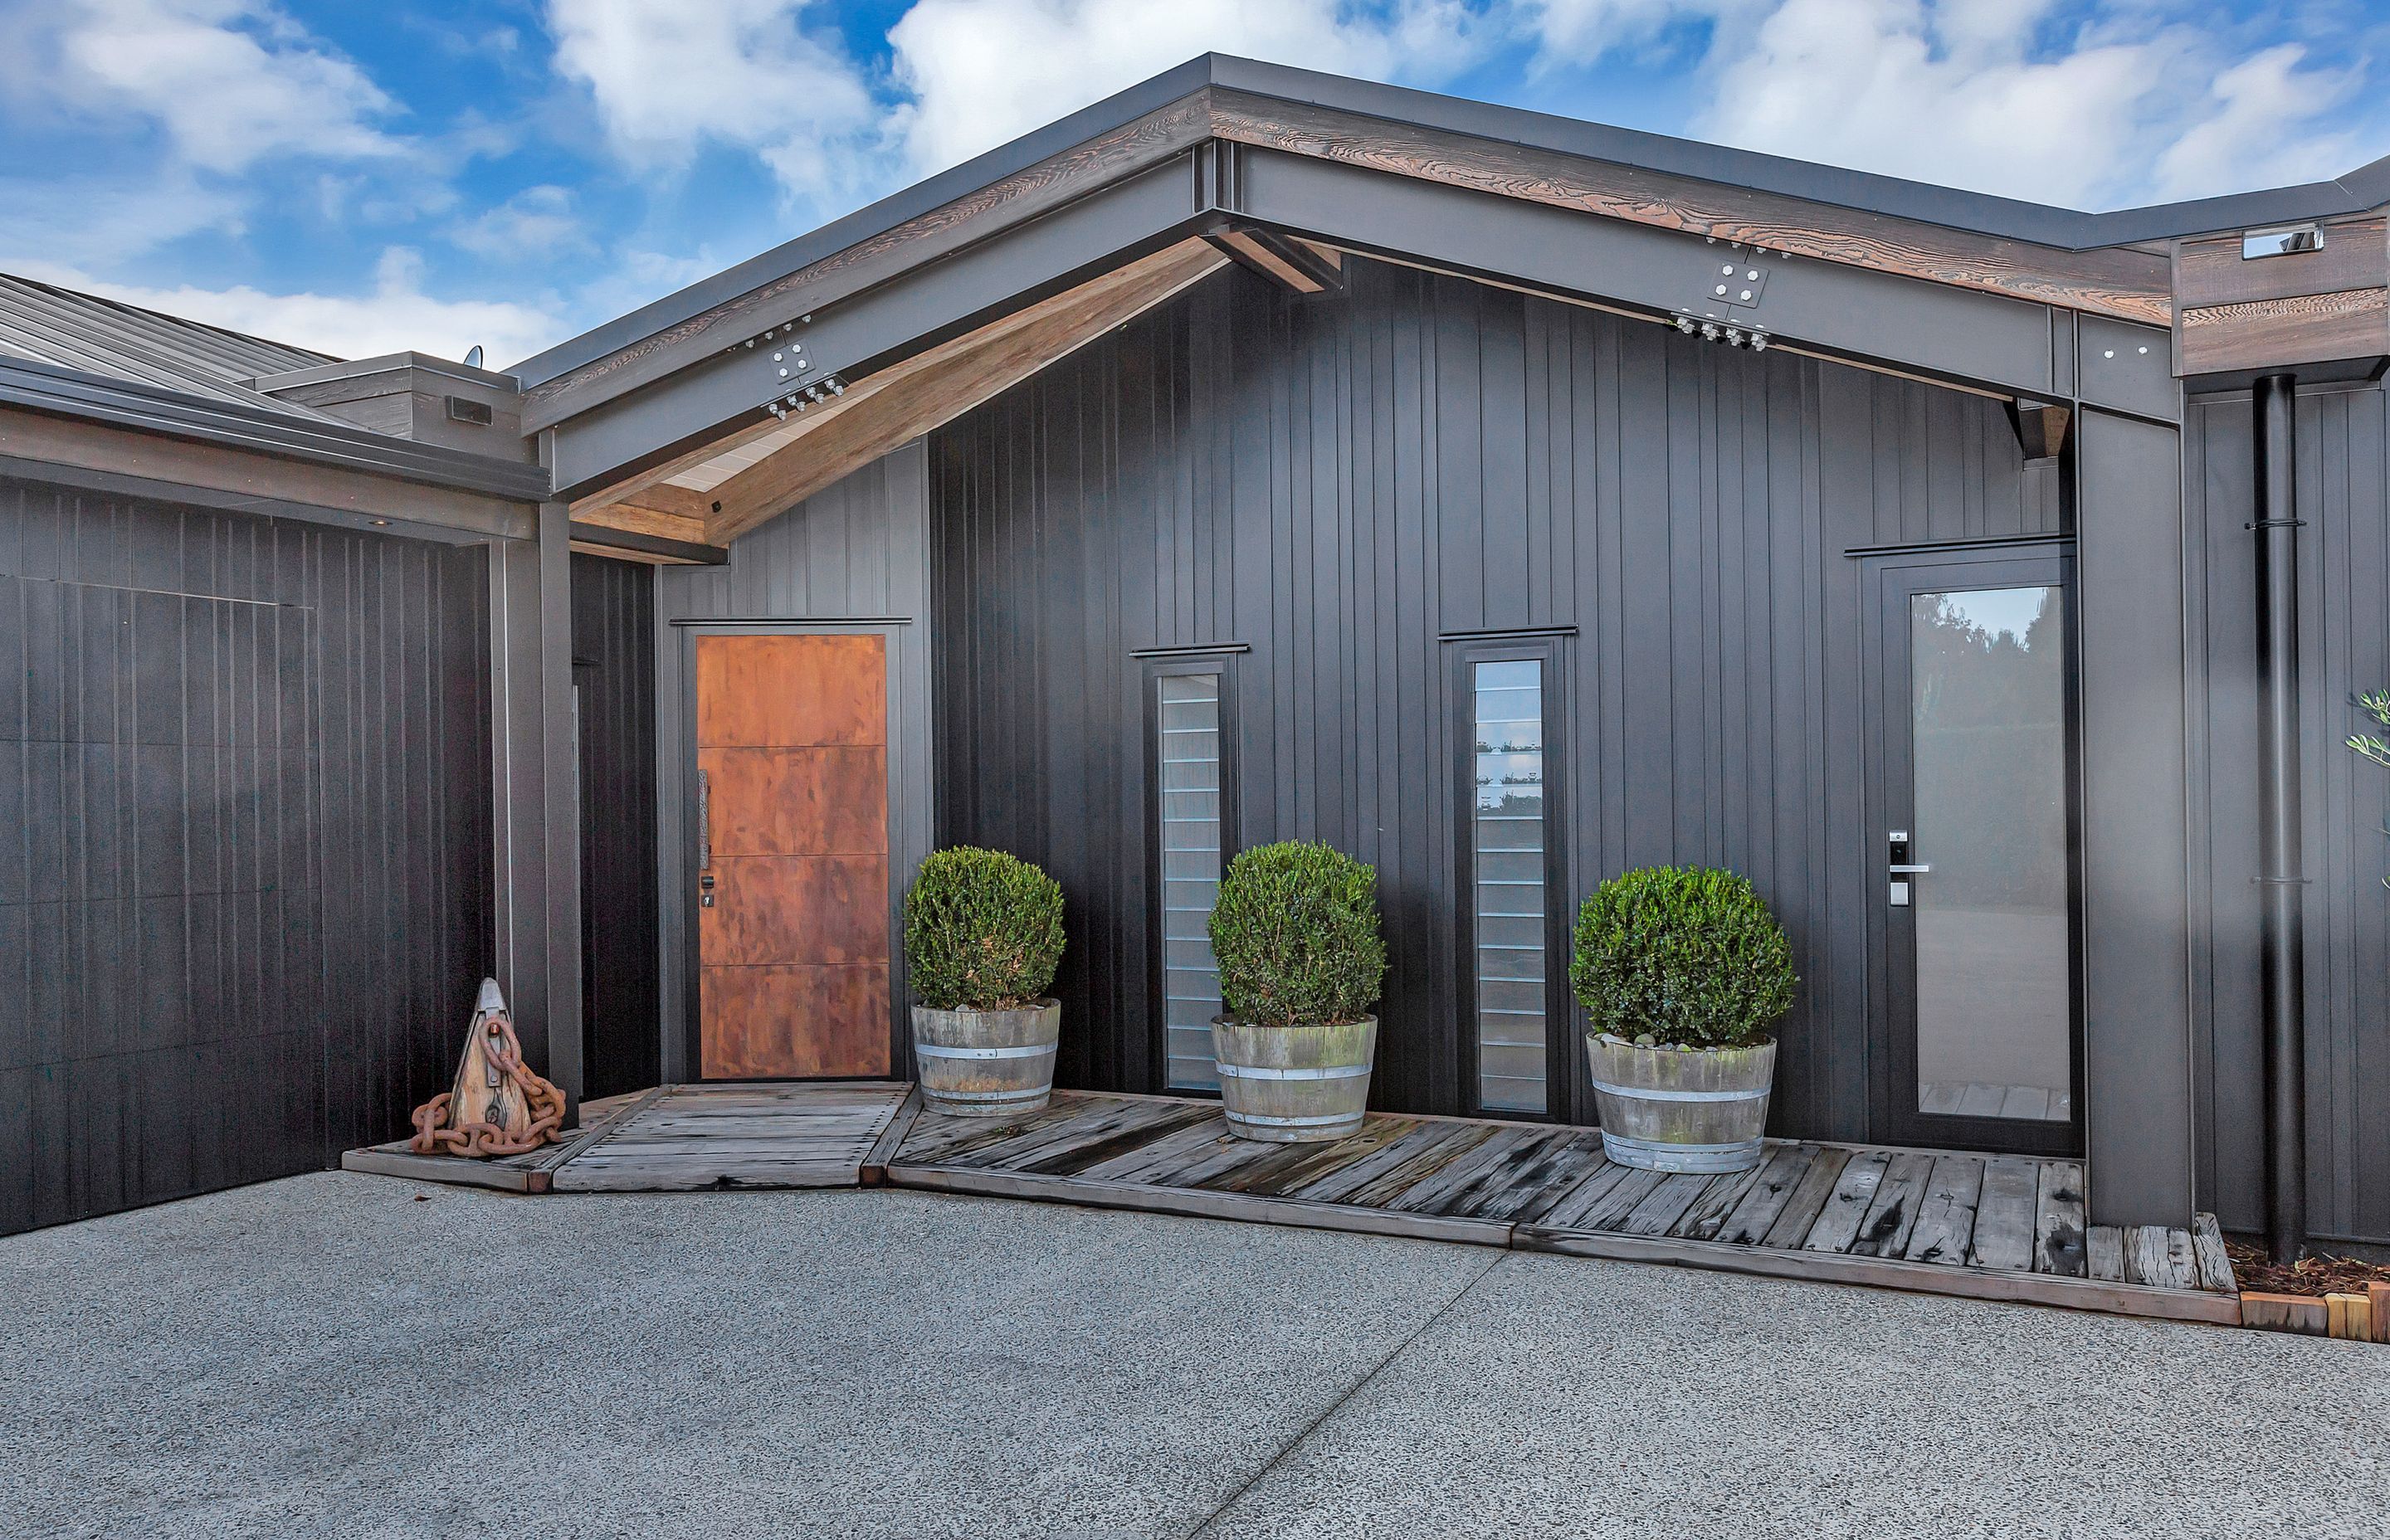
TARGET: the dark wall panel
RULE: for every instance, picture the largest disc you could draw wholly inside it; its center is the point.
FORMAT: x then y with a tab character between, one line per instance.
615	682
2344	474
1336	484
244	843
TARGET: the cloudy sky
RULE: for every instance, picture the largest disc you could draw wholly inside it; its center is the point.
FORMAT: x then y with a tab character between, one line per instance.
433	174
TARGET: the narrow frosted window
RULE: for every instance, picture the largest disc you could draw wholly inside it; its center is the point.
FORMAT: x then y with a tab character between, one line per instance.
1189	848
1508	840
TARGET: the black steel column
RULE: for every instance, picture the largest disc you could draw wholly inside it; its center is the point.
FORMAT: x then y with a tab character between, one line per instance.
2282	952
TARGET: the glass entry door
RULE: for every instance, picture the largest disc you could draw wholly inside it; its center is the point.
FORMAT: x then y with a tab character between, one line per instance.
1972	848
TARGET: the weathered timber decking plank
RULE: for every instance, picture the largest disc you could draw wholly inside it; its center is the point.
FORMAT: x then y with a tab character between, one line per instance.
1807	1200
2003	1236
2058	1246
1077	1156
1554	1175
1891	1216
2105	1245
1497	1175
1613	1207
1451	1143
1709	1212
1320	1161
1666	1203
2216	1263
1767	1196
1838	1223
1132	1118
873	1170
944	1136
1131	1165
1570	1209
1429	1194
1947	1216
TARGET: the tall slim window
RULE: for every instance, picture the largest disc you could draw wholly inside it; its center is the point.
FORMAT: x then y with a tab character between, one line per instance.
1508	829
1189	842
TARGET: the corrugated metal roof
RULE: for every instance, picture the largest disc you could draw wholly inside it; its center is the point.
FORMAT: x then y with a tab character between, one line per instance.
74	330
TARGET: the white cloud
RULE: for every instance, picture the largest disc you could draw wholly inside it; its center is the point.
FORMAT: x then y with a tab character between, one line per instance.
1579	32
981	72
230	82
2263	129
1950	94
2118	103
535	224
396	317
668	76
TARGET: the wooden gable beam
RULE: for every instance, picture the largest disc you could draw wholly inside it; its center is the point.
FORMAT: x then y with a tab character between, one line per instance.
906	400
1294	265
2122	282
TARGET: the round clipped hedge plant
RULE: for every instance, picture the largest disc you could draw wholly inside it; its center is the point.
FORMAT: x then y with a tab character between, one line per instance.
1681	955
982	931
1295	933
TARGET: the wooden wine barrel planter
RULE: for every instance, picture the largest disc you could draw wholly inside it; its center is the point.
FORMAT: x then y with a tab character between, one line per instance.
986	1063
1680	1108
1294	1085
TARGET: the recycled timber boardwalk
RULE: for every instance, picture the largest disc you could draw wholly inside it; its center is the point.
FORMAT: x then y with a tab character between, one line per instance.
2006	1228
1985	1226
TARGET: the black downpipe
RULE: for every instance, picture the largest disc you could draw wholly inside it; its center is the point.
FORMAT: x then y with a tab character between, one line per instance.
2281	950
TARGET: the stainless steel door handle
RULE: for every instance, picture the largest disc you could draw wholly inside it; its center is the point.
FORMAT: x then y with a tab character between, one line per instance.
1905	867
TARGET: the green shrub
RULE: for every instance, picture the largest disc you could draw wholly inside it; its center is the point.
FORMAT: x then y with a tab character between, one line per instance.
1295	933
982	931
1689	956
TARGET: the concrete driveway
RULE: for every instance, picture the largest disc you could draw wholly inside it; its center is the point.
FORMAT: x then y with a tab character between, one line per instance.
331	1356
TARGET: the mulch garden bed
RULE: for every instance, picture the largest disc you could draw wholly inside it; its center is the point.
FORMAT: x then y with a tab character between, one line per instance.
2315	1275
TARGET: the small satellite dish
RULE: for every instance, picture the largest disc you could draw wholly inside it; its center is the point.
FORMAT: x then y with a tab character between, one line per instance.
473	356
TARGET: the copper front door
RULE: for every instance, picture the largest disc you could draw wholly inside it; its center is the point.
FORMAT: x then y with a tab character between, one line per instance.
793	916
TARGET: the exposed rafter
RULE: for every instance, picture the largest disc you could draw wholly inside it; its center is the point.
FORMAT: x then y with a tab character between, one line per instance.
881	411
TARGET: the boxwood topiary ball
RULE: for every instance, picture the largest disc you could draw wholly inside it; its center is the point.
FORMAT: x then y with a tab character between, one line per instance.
1295	933
1689	955
982	931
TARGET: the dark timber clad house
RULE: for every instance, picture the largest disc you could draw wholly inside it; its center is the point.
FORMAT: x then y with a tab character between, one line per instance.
1507	500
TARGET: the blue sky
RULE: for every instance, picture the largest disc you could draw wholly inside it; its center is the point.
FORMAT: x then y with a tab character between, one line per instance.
433	174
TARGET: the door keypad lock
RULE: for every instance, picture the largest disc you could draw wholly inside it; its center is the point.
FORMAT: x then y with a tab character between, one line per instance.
1900	868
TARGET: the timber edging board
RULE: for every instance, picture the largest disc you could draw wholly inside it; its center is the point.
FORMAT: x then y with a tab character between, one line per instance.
2121	1299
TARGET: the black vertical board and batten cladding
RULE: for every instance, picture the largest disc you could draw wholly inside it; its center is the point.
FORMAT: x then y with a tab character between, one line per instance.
614	687
2344	496
1340	482
245	855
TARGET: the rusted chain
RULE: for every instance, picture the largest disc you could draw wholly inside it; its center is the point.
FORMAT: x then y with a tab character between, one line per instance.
481	1140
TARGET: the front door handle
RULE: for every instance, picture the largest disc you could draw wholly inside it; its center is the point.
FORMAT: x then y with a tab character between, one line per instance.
1905	867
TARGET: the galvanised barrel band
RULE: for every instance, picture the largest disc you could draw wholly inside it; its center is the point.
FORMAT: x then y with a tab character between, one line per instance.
1026	1093
1258	1071
1314	1120
1033	1050
1662	1155
1638	1093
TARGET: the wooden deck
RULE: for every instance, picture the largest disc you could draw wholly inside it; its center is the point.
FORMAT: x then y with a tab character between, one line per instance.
682	1138
2006	1228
